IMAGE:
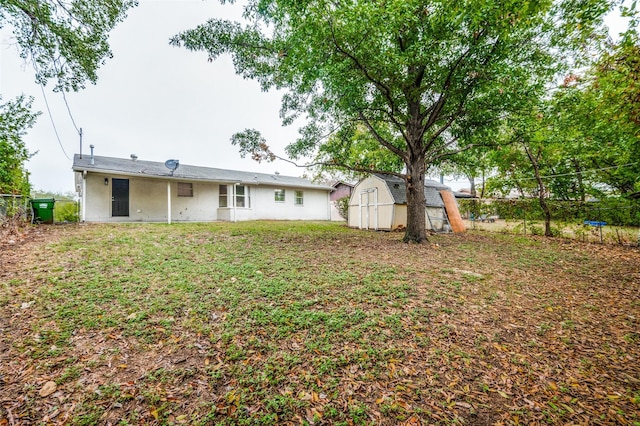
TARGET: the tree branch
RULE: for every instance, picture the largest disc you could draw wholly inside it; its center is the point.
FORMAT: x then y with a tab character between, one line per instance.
338	165
381	140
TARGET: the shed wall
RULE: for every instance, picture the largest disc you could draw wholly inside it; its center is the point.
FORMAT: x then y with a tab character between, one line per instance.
390	216
371	205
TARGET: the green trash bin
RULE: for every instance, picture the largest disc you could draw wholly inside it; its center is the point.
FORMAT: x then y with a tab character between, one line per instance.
42	210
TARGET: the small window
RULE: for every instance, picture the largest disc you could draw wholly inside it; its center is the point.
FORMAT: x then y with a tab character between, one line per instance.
299	198
279	195
242	196
222	197
185	189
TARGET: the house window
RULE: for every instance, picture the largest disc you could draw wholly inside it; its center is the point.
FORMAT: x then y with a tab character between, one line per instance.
279	195
242	196
185	189
222	197
299	198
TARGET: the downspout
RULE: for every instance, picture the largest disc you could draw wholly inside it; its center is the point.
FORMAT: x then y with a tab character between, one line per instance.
169	202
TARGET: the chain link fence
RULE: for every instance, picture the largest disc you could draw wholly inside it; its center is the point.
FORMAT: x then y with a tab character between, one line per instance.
609	221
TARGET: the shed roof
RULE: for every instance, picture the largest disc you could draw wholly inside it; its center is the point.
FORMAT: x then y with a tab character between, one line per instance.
153	169
398	190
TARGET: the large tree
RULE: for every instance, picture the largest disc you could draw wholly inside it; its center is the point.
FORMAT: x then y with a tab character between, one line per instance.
65	40
16	118
416	74
614	94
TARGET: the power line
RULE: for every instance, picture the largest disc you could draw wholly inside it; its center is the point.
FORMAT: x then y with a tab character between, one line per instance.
46	102
70	115
582	171
55	130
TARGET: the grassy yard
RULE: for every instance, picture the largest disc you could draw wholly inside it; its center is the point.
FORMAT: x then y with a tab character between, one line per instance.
314	323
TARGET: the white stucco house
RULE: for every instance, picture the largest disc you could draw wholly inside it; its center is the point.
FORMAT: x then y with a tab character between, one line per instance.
132	190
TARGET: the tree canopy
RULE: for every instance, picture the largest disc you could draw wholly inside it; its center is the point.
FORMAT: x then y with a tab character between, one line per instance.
415	75
587	134
16	118
66	40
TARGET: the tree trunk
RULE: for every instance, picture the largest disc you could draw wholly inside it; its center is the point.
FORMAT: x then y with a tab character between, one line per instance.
542	190
472	186
547	215
416	231
578	170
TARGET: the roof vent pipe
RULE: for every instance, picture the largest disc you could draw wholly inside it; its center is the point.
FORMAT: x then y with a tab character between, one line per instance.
93	161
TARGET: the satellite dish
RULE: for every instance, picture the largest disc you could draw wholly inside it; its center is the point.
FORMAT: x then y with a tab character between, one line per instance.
172	165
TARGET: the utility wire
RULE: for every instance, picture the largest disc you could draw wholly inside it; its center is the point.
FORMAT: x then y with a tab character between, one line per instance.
55	130
69	110
46	102
582	171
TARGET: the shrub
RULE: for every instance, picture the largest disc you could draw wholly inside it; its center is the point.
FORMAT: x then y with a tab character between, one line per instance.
342	205
65	211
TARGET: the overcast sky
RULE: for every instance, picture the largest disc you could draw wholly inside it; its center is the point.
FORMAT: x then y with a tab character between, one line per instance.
152	100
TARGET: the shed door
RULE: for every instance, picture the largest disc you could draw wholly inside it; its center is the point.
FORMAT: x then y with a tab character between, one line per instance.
369	209
119	197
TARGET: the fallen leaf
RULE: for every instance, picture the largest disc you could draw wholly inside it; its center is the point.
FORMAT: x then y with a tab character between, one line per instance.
48	389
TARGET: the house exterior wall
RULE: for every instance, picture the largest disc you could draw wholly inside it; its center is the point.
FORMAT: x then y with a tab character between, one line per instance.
202	207
335	213
97	198
341	190
148	202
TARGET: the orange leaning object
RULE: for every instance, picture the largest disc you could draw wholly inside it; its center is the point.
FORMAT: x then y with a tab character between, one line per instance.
450	205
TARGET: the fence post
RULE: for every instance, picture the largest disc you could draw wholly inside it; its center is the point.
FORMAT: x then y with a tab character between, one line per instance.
524	216
600	224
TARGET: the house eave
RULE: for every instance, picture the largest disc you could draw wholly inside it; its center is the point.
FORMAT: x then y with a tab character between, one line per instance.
184	178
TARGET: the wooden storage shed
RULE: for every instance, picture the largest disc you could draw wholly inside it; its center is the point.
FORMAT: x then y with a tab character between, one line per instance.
379	202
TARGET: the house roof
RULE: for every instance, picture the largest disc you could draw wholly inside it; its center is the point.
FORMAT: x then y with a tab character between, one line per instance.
341	182
153	169
398	190
463	194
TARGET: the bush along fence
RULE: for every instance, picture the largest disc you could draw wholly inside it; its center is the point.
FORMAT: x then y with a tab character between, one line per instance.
619	216
13	206
66	211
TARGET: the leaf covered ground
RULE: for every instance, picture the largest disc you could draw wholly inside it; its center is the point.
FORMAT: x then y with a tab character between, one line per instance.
314	323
